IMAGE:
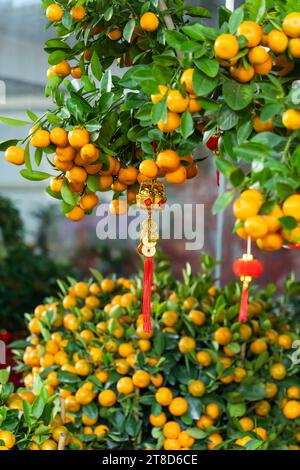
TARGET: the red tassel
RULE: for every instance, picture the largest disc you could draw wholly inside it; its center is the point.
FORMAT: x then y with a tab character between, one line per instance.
244	305
218	177
147	290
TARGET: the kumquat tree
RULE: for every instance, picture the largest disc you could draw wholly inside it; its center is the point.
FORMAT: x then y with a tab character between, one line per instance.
136	87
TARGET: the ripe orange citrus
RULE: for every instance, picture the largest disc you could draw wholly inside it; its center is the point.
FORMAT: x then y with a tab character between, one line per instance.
265	68
187	79
291	205
78	137
291	409
223	335
178	406
148	168
168	160
78	13
178	176
226	46
59	137
164	396
277	41
291	24
149	22
40	139
171	124
257	55
54	12
107	398
256	226
252	31
15	155
176	102
278	371
262	126
88	201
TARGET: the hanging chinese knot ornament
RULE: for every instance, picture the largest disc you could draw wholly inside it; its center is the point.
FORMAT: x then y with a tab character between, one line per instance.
246	268
151	197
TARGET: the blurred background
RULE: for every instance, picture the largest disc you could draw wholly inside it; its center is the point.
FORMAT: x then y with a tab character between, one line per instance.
37	243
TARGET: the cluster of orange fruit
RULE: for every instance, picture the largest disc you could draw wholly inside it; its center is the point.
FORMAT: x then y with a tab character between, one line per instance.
95	354
76	158
265	49
266	229
148	22
171	166
177	103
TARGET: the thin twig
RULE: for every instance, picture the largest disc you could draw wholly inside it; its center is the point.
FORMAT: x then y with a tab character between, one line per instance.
168	20
62	441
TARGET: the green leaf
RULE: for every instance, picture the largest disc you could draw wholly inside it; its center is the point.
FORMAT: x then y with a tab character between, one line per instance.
224	166
13	122
194	32
128	30
202	84
237	95
4	376
252	389
57	56
262	359
227	118
38	407
38	154
93	183
208	66
96	66
67	377
27	411
199	12
159	343
34	175
244	131
237	409
7	143
199	32
78	107
174	38
67	194
270	110
52	85
288	222
106	101
222	202
268	139
256	9
31	115
186	125
252	150
108	13
235	19
196	433
237	177
67	19
208	104
159	111
27	157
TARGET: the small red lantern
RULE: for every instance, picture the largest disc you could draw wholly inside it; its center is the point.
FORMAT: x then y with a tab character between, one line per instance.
212	144
246	268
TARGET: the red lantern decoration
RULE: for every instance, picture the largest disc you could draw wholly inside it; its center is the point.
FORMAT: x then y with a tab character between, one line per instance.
212	144
246	268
